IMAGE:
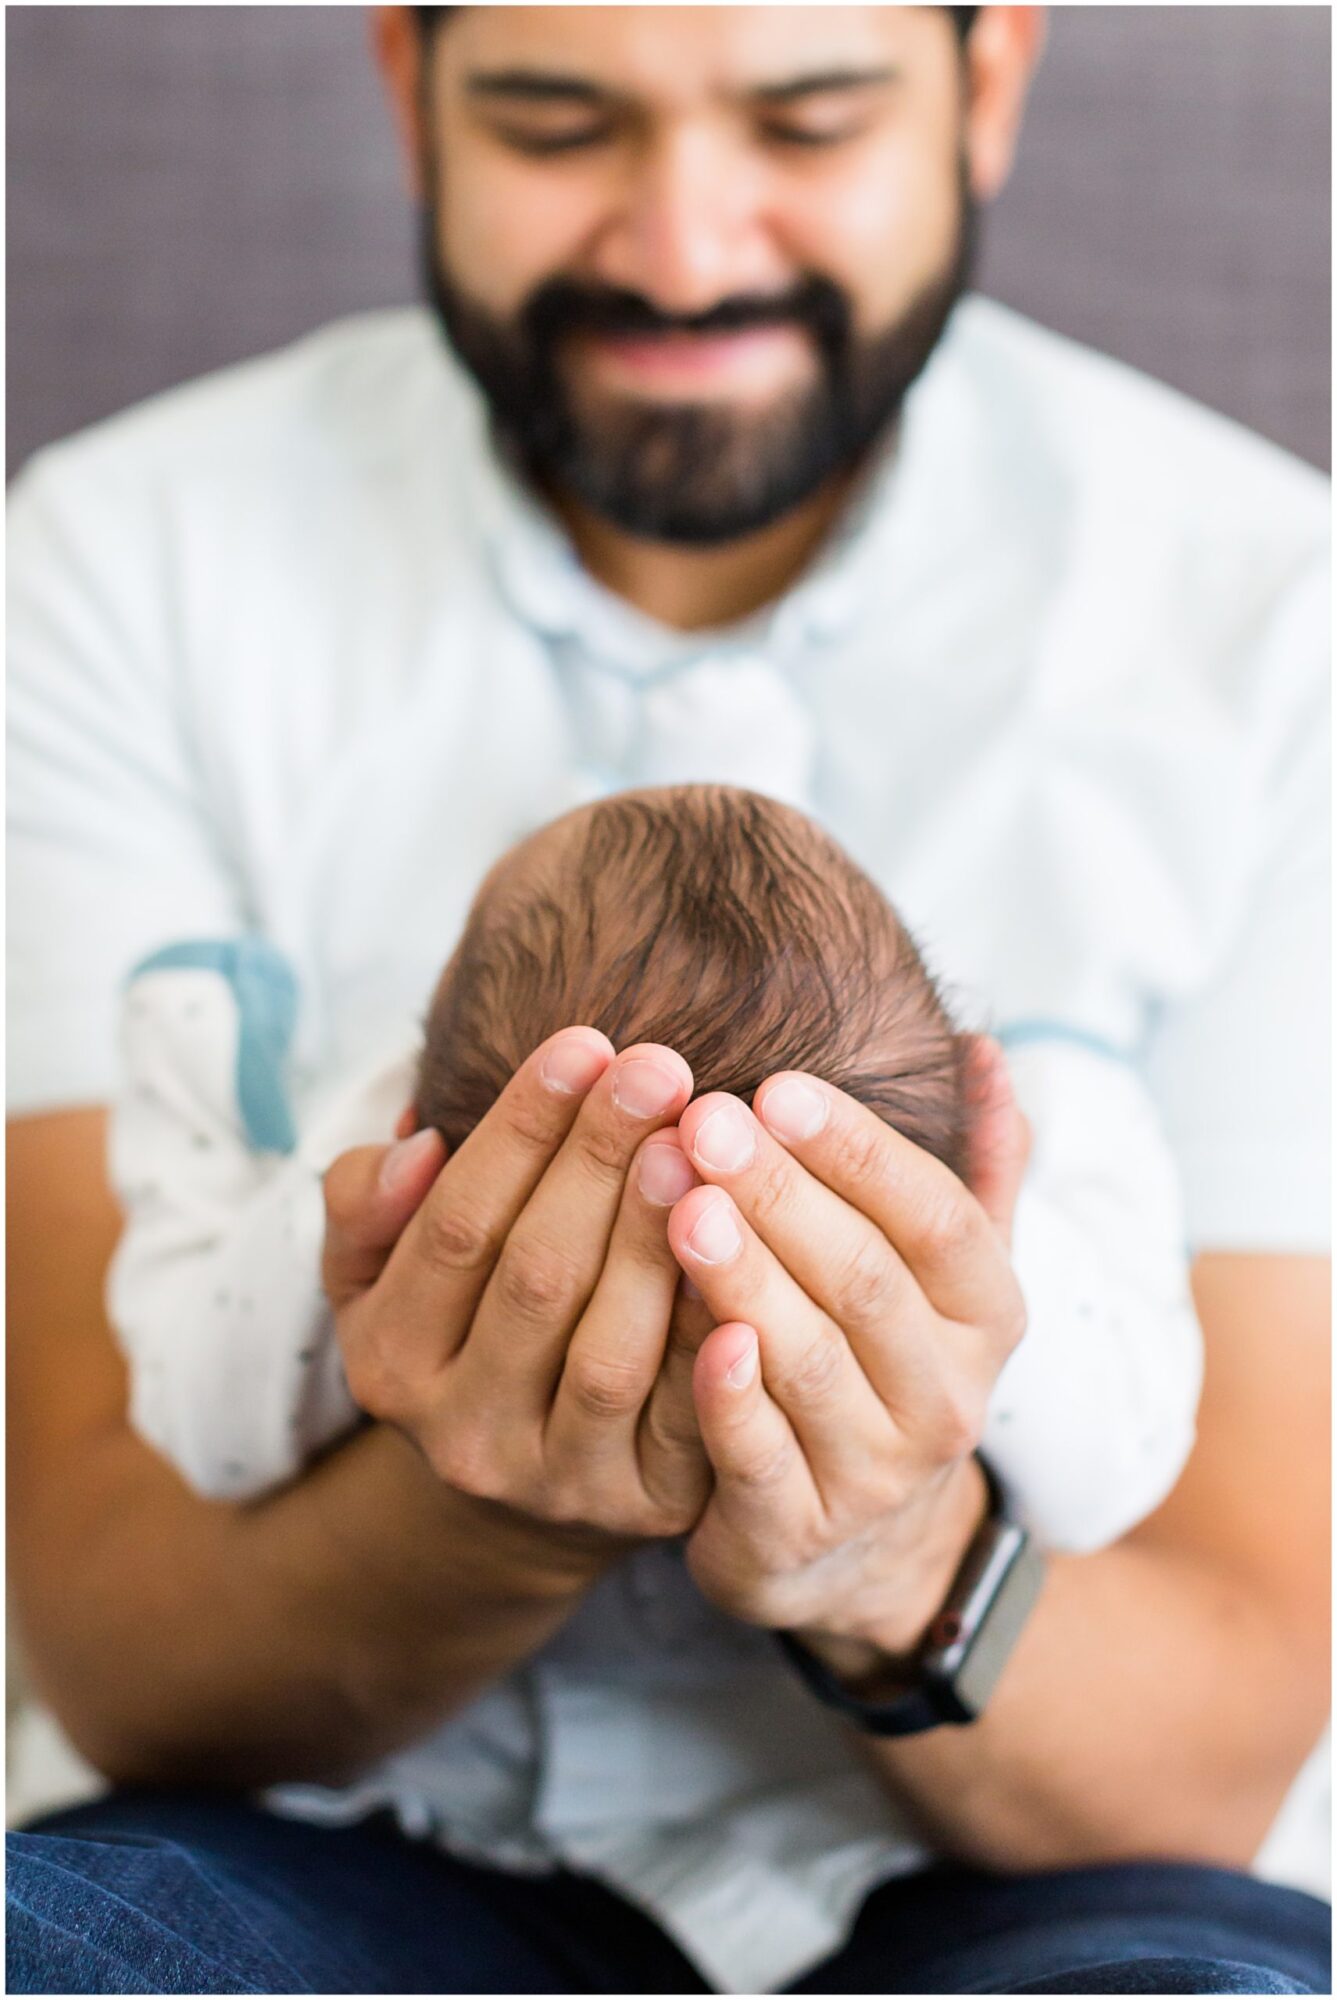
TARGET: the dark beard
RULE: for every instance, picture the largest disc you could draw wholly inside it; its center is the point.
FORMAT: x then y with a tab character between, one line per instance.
693	474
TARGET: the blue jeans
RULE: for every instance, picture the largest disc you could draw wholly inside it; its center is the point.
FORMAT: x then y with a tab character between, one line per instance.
172	1893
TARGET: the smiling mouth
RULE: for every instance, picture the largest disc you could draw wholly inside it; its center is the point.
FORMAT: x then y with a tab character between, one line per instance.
754	357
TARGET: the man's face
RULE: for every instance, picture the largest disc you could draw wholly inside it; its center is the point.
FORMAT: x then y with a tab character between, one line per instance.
694	256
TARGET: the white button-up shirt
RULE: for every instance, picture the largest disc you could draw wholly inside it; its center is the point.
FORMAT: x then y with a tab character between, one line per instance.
292	654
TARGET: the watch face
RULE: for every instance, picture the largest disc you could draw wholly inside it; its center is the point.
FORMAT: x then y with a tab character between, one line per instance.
989	1648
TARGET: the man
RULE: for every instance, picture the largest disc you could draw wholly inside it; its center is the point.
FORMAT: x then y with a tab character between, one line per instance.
301	651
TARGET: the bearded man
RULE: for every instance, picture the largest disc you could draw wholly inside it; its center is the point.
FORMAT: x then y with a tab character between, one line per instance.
715	474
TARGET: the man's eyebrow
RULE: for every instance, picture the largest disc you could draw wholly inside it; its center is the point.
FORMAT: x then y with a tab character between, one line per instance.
541	86
821	80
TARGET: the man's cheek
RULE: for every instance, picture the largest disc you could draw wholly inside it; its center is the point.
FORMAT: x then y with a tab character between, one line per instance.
893	234
504	233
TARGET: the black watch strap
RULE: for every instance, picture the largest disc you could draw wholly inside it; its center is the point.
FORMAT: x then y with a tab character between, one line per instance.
966	1647
915	1710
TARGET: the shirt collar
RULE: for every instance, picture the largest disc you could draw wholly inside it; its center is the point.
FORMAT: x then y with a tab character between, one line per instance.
540	576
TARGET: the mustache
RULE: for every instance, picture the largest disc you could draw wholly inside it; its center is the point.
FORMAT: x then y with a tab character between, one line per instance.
562	306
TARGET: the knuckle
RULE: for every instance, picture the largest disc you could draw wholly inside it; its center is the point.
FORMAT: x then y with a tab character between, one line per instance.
891	1484
958	1423
764	1471
451	1241
373	1386
564	1503
816	1372
461	1456
770	1189
571	1503
601	1386
944	1226
602	1151
861	1157
676	1517
864	1287
534	1286
529	1119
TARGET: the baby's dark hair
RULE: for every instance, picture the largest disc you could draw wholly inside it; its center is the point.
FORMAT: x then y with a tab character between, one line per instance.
718	922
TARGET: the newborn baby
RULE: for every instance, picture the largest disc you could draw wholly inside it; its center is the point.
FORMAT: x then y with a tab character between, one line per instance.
735	931
717	922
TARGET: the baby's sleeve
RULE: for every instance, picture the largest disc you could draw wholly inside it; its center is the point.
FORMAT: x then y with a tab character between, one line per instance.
1093	1416
214	1290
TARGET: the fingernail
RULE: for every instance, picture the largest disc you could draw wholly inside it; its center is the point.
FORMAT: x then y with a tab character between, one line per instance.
665	1175
572	1066
715	1238
744	1369
794	1108
724	1141
403	1159
643	1090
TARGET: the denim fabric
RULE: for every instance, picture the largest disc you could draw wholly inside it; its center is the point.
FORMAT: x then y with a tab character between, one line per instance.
166	1893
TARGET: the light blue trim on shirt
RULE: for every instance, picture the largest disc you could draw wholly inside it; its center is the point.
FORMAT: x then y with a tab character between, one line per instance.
265	990
1018	1033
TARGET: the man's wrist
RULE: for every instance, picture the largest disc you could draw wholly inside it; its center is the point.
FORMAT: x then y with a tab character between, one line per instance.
879	1661
501	1553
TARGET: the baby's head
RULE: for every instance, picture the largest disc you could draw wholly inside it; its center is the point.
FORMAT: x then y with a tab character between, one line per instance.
718	922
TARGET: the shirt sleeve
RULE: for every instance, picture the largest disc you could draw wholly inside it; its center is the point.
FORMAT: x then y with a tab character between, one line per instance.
1093	1416
111	847
1241	1069
214	1291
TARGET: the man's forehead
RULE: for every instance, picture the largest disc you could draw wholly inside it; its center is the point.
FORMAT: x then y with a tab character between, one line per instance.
664	53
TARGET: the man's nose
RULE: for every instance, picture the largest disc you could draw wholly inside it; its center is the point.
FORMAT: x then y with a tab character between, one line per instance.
689	227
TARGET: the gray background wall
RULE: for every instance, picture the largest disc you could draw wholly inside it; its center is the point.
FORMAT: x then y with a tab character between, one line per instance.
189	185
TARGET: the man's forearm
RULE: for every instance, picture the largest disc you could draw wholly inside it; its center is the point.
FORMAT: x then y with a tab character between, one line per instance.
188	1641
1152	1707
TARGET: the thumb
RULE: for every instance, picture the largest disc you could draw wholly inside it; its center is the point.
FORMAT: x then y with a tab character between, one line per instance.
371	1193
1000	1143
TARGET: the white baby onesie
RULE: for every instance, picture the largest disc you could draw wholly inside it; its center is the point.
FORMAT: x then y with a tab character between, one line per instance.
235	1376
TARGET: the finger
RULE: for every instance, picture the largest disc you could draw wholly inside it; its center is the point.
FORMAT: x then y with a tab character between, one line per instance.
669	1424
616	1351
370	1194
550	1264
761	1471
1000	1137
843	1426
834	1254
444	1258
932	1373
930	1218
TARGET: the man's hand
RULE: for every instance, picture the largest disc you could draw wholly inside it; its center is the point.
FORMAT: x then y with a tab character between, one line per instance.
519	1328
876	1291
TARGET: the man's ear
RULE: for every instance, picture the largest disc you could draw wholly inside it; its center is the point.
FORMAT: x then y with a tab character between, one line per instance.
400	52
1002	52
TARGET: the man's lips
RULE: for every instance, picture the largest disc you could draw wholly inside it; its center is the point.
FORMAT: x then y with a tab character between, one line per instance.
751	357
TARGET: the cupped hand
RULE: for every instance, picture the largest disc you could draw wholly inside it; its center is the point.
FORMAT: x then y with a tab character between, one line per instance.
865	1304
515	1309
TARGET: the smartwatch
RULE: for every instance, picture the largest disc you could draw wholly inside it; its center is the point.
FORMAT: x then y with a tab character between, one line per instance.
965	1649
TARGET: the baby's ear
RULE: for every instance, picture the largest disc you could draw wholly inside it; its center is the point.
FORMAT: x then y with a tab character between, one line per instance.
408	1122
